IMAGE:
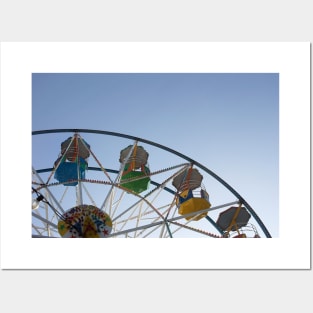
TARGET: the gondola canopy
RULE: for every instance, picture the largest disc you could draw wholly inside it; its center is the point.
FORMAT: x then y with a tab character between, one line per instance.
189	179
233	218
74	147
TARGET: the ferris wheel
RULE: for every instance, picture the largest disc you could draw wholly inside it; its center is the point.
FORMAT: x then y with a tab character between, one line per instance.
100	184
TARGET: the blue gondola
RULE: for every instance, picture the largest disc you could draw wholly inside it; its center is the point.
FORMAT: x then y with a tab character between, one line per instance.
68	173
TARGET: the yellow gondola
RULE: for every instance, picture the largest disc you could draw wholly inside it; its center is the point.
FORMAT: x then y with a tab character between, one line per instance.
192	197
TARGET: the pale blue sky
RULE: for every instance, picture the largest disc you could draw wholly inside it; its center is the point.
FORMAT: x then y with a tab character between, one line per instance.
227	122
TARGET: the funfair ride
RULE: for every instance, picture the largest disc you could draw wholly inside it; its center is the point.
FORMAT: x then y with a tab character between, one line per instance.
99	184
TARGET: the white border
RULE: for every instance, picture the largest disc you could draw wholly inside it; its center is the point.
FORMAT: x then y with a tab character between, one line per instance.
290	251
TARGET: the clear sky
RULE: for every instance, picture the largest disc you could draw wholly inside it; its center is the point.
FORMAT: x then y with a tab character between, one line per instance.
227	122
